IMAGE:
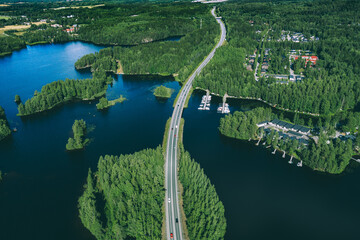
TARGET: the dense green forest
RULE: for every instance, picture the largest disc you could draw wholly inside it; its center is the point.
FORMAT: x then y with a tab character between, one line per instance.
78	141
205	213
124	198
61	91
329	87
332	156
165	58
4	125
9	44
110	23
242	125
104	103
163	92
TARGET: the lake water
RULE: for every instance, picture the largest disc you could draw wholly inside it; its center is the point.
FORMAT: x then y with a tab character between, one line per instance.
38	197
264	196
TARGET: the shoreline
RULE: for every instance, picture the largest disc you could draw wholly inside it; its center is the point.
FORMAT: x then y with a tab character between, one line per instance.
263	101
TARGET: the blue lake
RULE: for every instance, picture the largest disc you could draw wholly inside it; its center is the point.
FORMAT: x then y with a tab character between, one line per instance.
264	196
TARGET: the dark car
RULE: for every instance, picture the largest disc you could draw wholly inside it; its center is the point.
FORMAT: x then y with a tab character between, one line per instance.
177	220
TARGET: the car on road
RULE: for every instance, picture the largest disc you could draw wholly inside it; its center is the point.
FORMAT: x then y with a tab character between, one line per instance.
177	220
171	235
176	126
169	200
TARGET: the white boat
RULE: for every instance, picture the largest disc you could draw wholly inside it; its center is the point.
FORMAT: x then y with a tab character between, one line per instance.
299	164
207	108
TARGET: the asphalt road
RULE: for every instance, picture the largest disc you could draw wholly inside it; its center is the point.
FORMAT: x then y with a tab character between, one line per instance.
173	222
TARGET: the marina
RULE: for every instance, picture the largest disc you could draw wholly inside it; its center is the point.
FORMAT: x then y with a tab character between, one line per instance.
205	101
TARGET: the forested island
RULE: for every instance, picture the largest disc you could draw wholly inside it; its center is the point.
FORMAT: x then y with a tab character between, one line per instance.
61	91
163	92
4	125
78	141
104	103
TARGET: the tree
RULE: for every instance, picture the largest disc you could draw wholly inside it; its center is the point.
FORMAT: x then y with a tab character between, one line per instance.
4	125
103	103
17	99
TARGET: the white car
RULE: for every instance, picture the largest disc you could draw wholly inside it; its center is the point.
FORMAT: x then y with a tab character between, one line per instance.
169	200
176	126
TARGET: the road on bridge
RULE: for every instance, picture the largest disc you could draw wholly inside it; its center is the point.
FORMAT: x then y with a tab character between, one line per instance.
173	223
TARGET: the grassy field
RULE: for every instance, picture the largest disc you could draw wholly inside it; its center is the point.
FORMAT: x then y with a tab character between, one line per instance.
76	7
5	17
18	27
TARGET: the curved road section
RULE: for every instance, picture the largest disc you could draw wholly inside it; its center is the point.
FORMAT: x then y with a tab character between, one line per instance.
173	223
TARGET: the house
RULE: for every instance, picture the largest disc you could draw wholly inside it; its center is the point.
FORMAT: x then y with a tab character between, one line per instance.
69	30
307	58
261	124
299	78
277	76
298	135
312	59
304	130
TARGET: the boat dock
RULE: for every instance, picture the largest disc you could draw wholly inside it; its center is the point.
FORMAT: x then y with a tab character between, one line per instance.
205	101
224	107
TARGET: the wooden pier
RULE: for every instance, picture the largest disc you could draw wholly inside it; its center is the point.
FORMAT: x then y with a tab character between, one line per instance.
224	108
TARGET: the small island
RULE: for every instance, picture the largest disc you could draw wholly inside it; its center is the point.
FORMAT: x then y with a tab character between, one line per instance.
4	125
78	142
104	103
163	92
17	99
